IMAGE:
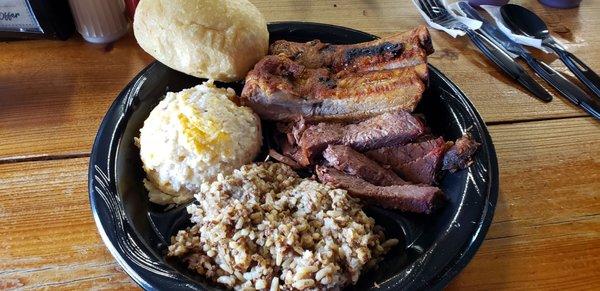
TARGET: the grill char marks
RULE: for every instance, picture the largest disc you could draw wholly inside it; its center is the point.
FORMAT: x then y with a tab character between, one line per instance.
387	49
357	57
313	54
411	198
399	50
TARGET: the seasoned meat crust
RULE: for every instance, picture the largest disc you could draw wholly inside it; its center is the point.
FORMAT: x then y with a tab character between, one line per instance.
319	81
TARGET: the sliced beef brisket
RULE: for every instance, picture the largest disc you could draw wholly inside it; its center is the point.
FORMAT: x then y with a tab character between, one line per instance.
383	130
417	162
347	160
411	198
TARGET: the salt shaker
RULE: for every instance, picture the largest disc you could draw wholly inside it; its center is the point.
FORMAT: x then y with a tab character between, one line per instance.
100	21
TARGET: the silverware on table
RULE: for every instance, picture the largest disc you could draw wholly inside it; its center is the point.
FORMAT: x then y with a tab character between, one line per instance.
522	20
567	88
438	13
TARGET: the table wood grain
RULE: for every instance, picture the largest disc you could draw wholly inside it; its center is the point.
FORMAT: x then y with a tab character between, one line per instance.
53	95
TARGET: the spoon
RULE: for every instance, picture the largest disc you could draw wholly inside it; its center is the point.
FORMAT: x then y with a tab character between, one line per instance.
521	20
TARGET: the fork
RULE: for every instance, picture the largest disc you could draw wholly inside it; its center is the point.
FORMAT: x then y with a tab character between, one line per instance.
438	13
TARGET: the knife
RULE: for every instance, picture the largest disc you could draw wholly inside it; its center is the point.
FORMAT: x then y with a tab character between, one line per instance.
437	12
497	55
567	88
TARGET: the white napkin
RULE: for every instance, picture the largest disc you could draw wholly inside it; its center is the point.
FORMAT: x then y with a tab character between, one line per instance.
455	8
471	23
494	11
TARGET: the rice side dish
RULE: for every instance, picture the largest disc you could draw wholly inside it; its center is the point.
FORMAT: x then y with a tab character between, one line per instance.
193	135
263	227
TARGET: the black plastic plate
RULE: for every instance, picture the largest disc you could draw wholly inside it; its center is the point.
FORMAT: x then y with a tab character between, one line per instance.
433	249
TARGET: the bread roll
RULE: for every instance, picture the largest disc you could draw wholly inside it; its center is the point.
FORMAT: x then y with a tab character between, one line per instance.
219	39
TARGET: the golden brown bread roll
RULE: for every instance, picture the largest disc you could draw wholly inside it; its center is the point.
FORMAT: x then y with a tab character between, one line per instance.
220	40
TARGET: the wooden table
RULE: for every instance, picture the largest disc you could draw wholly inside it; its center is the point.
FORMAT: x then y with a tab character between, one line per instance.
53	95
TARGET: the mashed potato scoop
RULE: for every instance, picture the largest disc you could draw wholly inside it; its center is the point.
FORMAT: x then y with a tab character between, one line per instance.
192	136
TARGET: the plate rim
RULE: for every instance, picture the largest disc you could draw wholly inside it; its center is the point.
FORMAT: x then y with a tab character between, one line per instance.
96	178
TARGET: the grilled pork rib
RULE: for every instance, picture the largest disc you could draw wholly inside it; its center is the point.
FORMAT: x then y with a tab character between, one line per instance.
327	82
396	51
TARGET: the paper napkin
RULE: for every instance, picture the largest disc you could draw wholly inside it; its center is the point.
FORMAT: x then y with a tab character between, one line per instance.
471	23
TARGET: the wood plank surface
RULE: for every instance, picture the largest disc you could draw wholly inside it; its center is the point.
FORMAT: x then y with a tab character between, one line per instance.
54	94
49	238
545	234
546	228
